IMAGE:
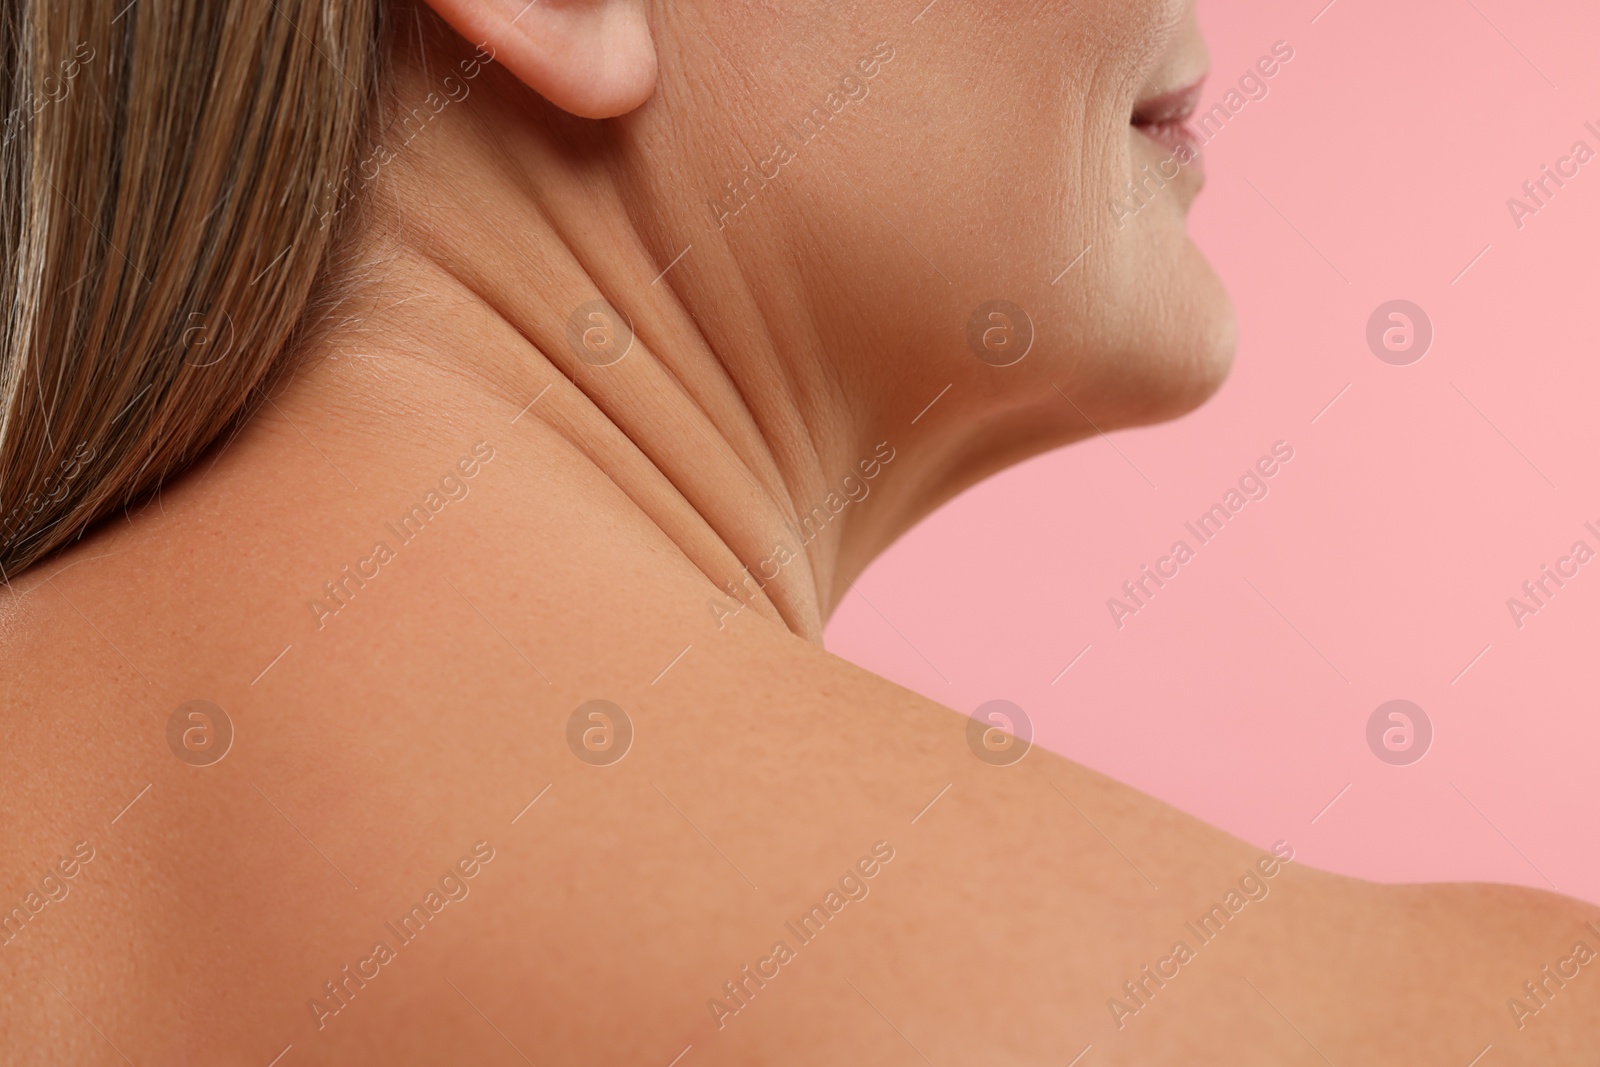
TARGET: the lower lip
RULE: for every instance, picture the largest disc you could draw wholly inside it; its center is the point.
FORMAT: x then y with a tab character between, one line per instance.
1178	139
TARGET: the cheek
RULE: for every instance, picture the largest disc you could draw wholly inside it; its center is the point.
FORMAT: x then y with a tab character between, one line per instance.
990	175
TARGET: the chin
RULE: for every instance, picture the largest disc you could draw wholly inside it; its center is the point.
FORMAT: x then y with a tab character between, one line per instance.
1182	359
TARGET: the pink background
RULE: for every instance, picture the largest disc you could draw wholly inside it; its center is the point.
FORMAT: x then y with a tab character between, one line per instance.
1414	507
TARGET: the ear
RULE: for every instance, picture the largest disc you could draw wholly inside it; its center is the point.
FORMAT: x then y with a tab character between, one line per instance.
594	58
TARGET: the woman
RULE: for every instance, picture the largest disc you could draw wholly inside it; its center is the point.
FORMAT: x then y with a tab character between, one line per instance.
431	447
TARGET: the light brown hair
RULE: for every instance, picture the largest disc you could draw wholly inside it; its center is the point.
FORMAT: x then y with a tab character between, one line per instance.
169	171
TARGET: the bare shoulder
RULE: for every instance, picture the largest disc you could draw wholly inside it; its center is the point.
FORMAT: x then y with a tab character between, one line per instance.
565	811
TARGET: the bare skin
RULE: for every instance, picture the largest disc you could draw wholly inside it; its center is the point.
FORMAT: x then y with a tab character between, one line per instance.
376	745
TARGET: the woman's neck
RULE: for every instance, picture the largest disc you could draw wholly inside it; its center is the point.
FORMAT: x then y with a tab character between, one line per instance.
650	352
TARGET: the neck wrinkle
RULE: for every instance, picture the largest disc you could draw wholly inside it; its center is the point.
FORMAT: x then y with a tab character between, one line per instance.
712	424
645	430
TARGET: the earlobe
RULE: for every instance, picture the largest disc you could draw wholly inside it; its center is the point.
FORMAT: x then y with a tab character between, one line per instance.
593	58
